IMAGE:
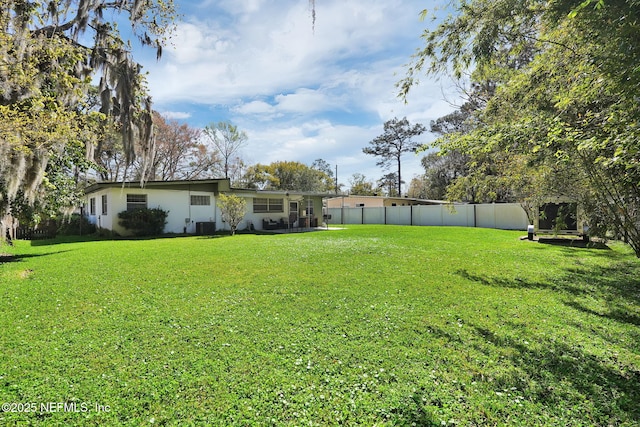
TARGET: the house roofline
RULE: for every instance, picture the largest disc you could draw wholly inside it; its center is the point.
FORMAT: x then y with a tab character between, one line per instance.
217	184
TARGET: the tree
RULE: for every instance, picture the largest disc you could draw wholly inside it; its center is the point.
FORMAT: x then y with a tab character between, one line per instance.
418	188
396	140
233	209
228	140
387	184
324	167
237	171
286	175
52	51
567	107
361	186
179	154
441	171
109	157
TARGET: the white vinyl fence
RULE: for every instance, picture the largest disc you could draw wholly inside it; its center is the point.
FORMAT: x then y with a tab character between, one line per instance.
505	216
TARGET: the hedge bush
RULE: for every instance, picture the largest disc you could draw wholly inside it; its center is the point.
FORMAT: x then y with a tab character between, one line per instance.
143	221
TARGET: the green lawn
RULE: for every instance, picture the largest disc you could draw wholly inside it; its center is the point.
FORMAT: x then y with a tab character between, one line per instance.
371	325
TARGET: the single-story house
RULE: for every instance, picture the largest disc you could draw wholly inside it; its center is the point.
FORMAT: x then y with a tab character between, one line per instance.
377	202
192	208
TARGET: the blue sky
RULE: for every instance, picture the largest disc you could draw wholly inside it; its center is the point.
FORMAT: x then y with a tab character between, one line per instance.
300	93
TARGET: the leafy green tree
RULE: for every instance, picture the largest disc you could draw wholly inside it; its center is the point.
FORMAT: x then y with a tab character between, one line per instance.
233	209
418	188
285	175
441	171
51	52
324	167
565	101
396	140
361	186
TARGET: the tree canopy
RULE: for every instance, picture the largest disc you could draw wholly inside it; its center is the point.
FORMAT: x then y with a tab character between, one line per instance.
287	175
564	108
51	53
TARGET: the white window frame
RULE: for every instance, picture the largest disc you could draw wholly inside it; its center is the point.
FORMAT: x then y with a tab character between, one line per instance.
200	200
266	205
135	204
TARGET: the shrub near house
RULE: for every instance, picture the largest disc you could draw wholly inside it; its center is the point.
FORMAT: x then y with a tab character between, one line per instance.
144	221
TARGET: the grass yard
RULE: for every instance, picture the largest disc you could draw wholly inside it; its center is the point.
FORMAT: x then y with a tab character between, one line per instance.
371	325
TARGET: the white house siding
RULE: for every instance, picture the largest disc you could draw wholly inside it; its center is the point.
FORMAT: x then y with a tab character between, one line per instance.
176	202
99	218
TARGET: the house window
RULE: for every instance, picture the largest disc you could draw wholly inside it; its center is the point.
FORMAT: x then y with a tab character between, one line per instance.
263	205
200	200
104	204
260	205
92	206
136	201
309	207
276	205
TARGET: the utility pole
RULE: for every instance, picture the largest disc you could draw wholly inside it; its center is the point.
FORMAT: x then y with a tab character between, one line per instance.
336	178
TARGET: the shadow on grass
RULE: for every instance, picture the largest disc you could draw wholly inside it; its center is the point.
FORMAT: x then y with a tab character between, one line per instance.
96	238
415	413
618	282
6	258
519	283
615	313
563	372
561	378
573	243
556	373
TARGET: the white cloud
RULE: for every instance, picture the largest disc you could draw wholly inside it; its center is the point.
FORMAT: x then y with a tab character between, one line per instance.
175	115
275	48
255	108
299	93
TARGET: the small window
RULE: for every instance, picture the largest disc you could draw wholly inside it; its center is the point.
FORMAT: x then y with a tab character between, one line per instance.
104	204
260	205
136	201
276	205
200	200
309	207
263	205
92	206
